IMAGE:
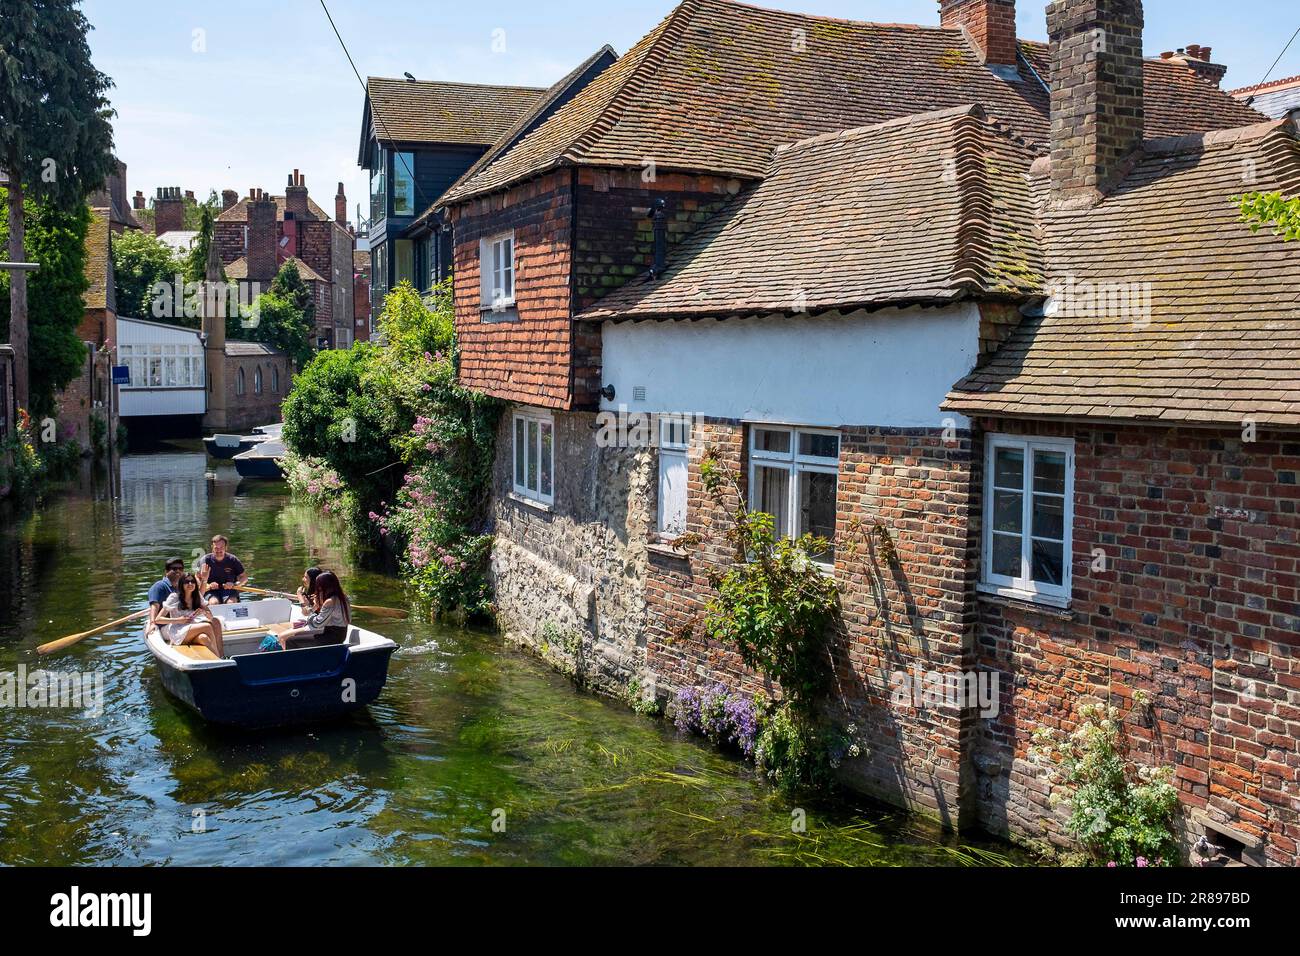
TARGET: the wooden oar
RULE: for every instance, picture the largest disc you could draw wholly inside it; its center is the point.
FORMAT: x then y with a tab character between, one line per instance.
71	639
392	612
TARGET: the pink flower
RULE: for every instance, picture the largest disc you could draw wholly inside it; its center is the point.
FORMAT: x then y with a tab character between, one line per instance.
1111	865
1142	861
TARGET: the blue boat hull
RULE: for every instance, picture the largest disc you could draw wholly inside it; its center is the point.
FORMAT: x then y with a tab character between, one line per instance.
282	688
259	468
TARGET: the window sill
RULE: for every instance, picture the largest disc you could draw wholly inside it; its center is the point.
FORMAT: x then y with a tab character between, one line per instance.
1026	600
540	506
504	313
663	545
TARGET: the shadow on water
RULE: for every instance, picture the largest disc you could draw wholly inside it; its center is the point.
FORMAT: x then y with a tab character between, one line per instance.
474	754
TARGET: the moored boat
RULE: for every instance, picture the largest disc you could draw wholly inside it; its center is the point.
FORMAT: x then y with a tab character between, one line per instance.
261	461
226	447
254	689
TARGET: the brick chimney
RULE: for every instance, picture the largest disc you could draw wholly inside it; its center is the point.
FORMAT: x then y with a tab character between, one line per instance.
341	207
1197	59
137	201
168	210
228	198
262	237
295	197
1097	112
990	23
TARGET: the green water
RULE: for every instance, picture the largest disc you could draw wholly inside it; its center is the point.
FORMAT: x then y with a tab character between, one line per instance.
467	732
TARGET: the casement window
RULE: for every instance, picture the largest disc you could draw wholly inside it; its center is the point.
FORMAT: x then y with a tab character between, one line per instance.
1028	513
534	456
674	439
163	366
275	379
240	387
403	184
794	477
497	272
257	380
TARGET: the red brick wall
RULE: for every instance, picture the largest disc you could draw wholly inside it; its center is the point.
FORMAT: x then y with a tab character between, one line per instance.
250	409
524	356
1197	608
897	614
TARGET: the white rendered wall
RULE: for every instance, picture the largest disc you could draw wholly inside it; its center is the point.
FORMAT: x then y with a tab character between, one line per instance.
888	368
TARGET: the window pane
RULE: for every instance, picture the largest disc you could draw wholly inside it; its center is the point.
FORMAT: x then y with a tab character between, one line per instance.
817	505
1048	562
1009	468
672	492
1008	511
531	483
819	446
1006	555
403	184
1049	517
1049	472
546	459
770	440
519	452
772	494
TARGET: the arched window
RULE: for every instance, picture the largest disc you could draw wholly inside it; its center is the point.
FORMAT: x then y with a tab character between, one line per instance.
257	380
239	382
275	379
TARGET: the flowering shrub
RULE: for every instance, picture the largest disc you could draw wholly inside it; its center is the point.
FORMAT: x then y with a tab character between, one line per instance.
1121	814
723	717
385	437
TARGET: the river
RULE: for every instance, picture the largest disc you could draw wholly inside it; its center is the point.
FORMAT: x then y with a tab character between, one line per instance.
468	733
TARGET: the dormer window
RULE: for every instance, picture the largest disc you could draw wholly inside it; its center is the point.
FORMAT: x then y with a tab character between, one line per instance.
497	272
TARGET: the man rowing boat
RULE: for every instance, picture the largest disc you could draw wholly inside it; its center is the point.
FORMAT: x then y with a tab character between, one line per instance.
220	573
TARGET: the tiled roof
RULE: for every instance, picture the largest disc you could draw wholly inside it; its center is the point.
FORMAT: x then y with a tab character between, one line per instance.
406	111
251	348
239	211
928	208
1276	98
530	118
361	260
239	269
1177	101
717	85
1200	317
99	260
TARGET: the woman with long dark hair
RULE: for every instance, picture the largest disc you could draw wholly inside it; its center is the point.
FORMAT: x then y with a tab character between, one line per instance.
329	622
186	619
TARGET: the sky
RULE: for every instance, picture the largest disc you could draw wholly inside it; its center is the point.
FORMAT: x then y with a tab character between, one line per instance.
238	93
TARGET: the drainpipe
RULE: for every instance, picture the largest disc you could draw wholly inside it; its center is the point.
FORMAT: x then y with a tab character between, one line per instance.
659	211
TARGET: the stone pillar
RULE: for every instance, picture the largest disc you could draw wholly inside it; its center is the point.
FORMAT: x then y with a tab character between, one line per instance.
215	293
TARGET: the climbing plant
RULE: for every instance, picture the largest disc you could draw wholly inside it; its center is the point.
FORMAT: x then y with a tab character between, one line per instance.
1272	209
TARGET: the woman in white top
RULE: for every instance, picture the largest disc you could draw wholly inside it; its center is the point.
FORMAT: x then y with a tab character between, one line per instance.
328	623
185	618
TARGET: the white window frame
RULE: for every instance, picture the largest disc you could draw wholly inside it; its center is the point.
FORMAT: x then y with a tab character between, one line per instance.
532	450
492	273
674	443
1024	586
796	464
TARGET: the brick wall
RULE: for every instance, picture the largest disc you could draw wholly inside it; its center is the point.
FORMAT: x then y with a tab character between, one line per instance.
250	409
523	354
992	25
1196	608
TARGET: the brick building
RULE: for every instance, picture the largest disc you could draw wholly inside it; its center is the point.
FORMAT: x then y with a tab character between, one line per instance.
257	234
799	292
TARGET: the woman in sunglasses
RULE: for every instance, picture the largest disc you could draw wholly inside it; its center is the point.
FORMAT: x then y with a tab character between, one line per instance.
185	618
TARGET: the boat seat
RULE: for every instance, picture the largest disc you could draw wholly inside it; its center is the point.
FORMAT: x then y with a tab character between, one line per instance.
196	652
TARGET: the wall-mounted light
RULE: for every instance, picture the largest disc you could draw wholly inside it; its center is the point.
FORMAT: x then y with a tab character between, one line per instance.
607	393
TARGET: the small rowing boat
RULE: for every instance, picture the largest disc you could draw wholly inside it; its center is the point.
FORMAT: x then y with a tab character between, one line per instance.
226	447
261	461
253	689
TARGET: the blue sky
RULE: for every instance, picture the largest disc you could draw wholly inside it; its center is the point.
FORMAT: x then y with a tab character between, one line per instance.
271	90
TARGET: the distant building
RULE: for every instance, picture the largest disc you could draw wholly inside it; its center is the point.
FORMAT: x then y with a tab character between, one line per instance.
256	235
1276	98
361	295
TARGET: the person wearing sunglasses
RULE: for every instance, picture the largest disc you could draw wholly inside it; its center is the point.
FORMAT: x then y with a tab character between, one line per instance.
163	588
186	619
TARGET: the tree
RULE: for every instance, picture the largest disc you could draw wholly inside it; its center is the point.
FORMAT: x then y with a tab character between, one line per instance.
1271	209
57	240
56	142
285	314
140	261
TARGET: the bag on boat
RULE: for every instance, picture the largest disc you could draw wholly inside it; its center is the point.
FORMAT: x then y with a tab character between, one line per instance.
269	643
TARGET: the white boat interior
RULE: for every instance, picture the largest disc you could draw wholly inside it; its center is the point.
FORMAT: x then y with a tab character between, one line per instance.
245	625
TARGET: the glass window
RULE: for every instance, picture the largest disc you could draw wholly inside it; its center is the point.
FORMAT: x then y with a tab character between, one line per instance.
275	379
497	272
257	380
404	261
674	438
378	188
1027	515
794	478
239	382
403	184
534	456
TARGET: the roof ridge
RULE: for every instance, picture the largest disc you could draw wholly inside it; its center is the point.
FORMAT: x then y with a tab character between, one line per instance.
1168	145
911	119
1270	84
476	86
673	26
969	173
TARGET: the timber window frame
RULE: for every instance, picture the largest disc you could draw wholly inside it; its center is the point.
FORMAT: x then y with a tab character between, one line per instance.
674	441
801	455
1020	517
532	455
496	258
